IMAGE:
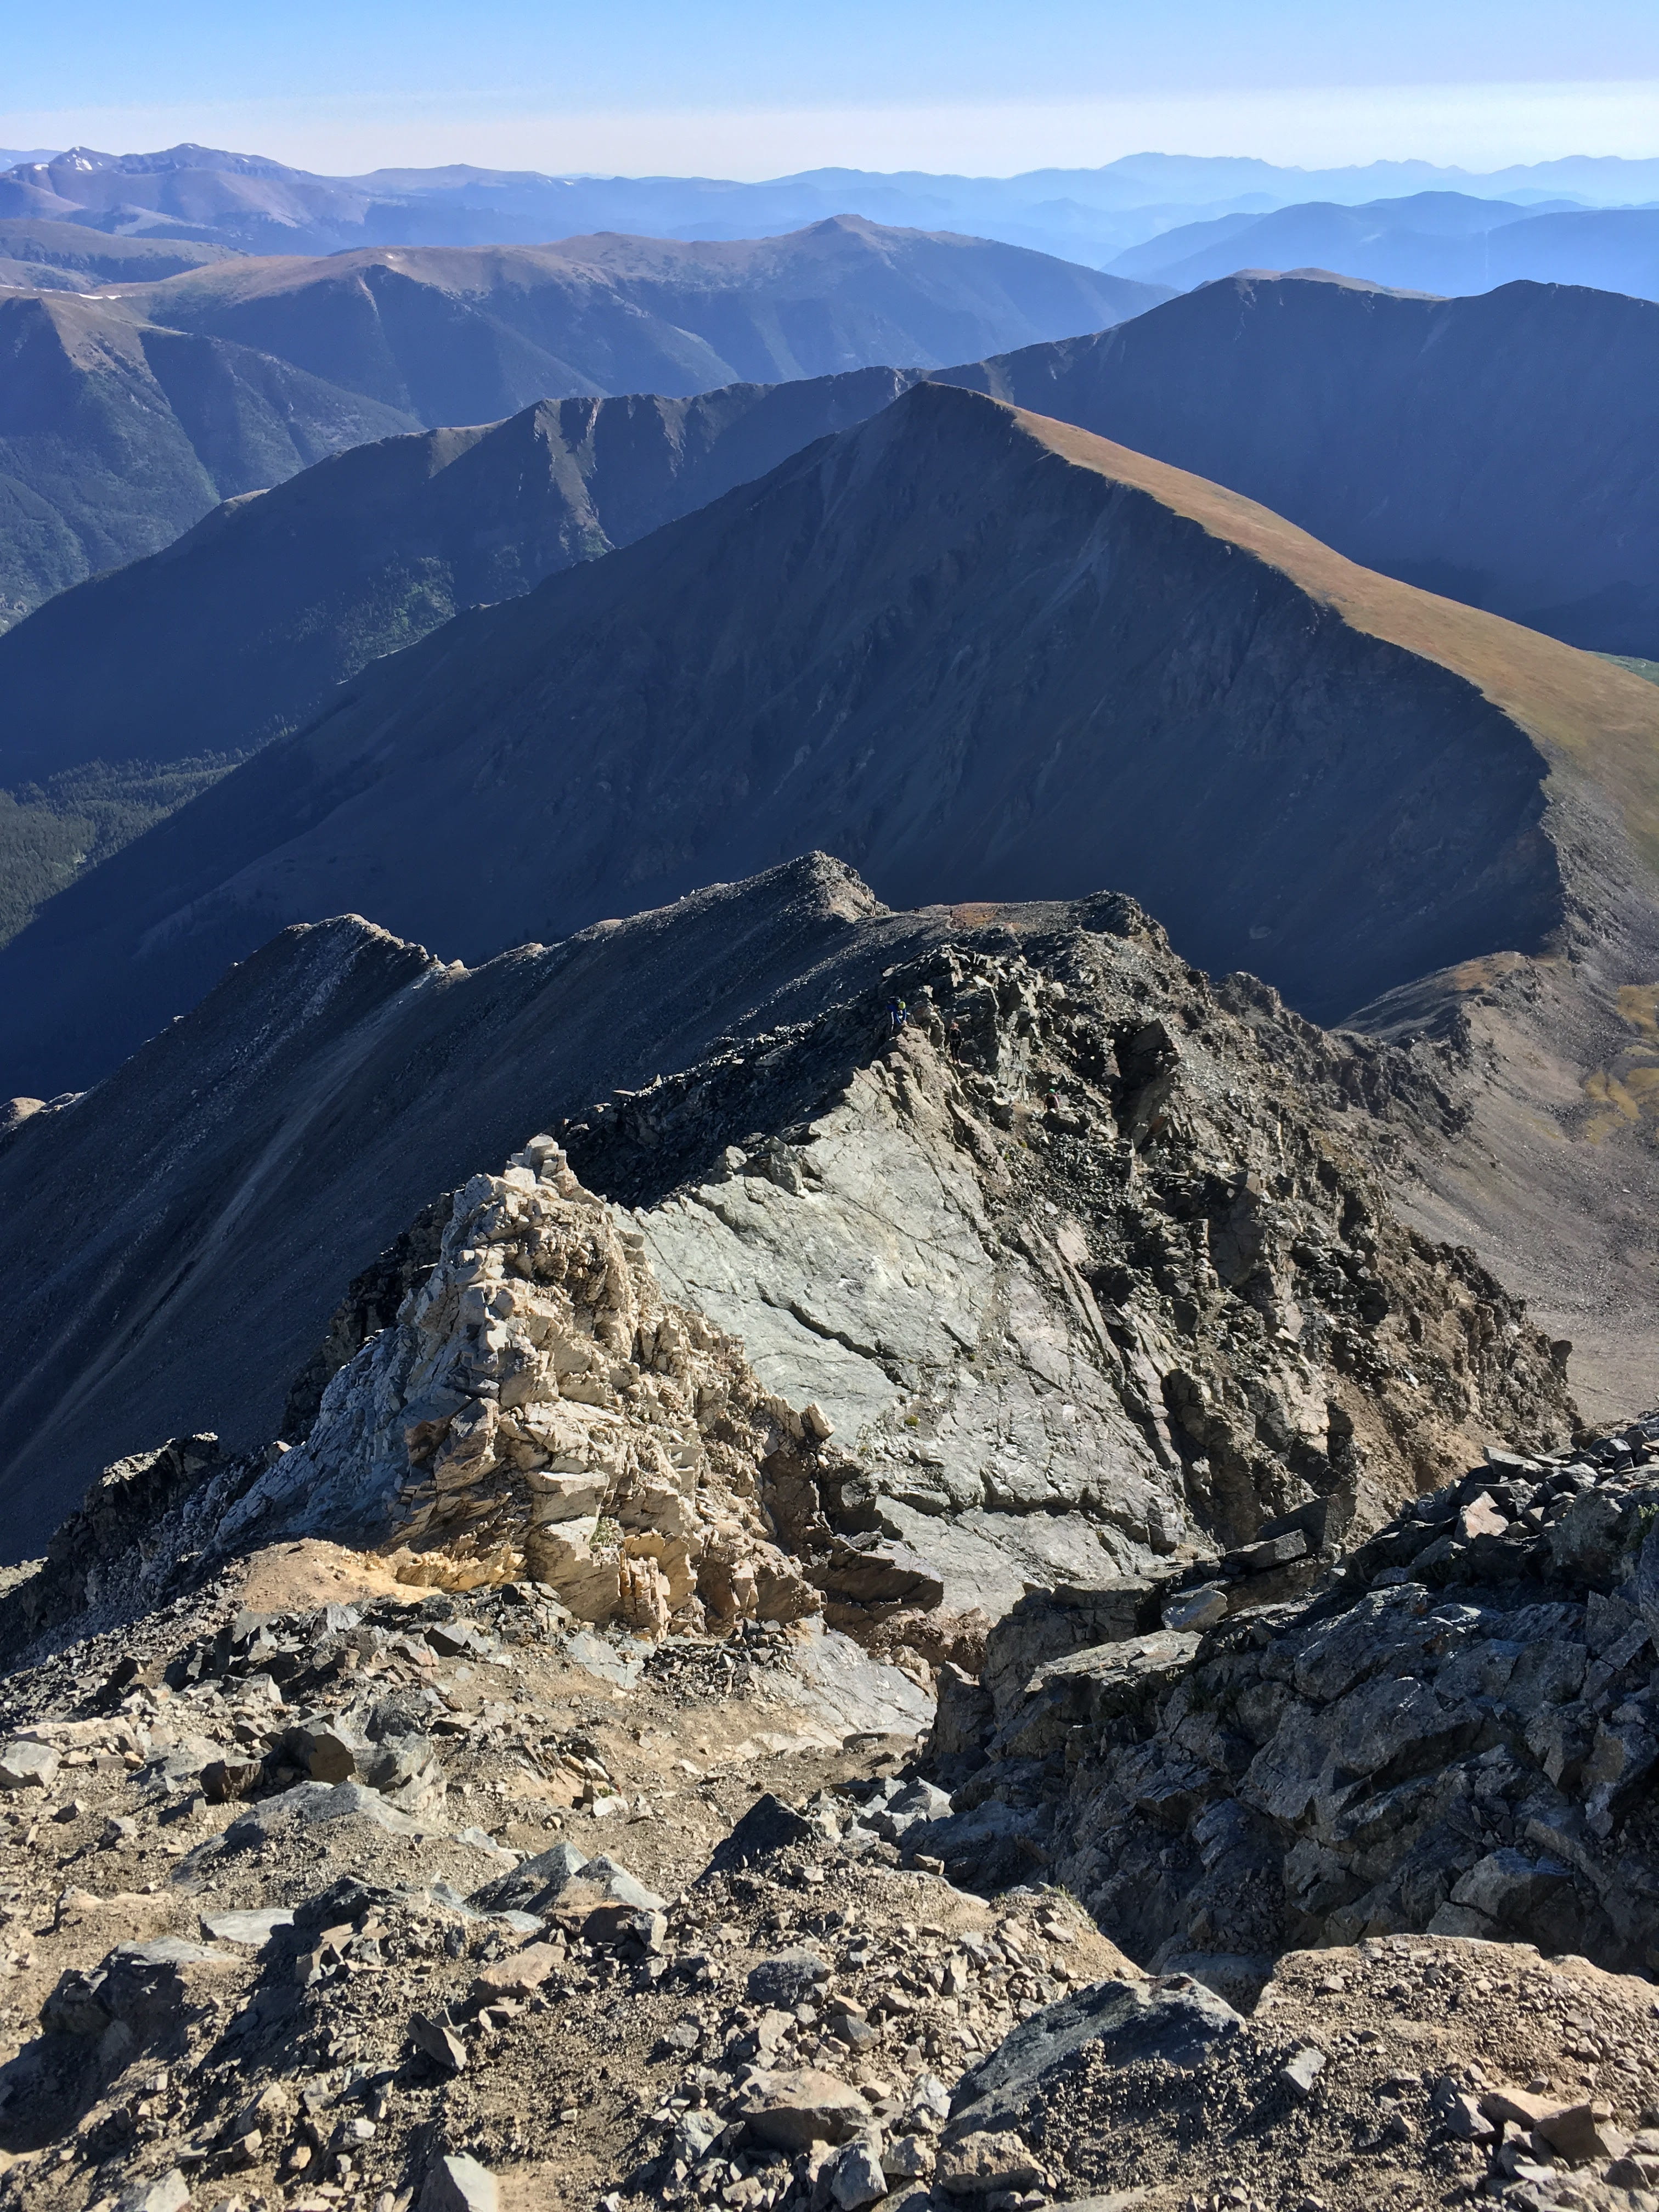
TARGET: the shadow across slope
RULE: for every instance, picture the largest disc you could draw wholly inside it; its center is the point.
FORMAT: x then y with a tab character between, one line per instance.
239	630
186	1230
115	435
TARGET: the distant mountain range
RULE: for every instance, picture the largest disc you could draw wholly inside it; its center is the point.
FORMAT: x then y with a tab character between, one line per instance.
974	650
127	415
466	336
1443	242
1084	214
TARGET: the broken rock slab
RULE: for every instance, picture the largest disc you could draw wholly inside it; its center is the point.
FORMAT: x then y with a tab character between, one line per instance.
565	1883
25	1765
460	2184
1176	2023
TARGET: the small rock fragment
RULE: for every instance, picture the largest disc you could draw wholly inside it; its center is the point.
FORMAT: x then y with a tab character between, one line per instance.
520	1976
1196	1608
25	1765
1301	2072
168	2192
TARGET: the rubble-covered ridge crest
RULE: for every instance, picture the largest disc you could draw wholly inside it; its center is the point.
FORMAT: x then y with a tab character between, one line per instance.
539	1409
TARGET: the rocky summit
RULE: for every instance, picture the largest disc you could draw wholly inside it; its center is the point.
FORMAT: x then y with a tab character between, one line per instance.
779	1553
897	1615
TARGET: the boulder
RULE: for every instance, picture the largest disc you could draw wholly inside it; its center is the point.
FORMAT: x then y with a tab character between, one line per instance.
533	1885
856	2177
788	1978
166	2192
520	1976
1176	2024
986	2163
791	2110
25	1765
768	1826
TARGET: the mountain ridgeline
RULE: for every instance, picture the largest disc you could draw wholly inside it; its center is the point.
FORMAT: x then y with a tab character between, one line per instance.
1448	443
1502	450
1440	242
126	417
977	653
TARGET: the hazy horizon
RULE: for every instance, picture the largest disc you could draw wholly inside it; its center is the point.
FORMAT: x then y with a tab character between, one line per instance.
731	90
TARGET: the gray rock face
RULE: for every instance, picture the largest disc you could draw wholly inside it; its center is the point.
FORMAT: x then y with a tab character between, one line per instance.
1081	1278
1457	1737
539	1409
1035	1266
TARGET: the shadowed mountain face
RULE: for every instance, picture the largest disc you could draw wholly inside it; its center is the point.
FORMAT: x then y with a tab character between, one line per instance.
333	1086
1419	437
1502	450
452	335
1428	242
979	653
116	435
239	630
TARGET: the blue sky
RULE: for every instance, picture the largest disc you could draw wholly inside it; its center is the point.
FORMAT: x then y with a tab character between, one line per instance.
749	88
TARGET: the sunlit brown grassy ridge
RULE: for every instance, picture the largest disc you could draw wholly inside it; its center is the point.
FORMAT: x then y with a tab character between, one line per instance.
1588	713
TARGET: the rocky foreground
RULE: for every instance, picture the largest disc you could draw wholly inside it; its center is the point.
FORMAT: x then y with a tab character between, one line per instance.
801	1646
324	1890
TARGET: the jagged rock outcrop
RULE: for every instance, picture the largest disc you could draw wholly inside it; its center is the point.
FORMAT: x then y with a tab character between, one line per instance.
180	1235
539	1409
1089	1267
1457	1737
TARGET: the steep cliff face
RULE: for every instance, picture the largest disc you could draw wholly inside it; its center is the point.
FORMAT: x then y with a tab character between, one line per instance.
1090	1263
